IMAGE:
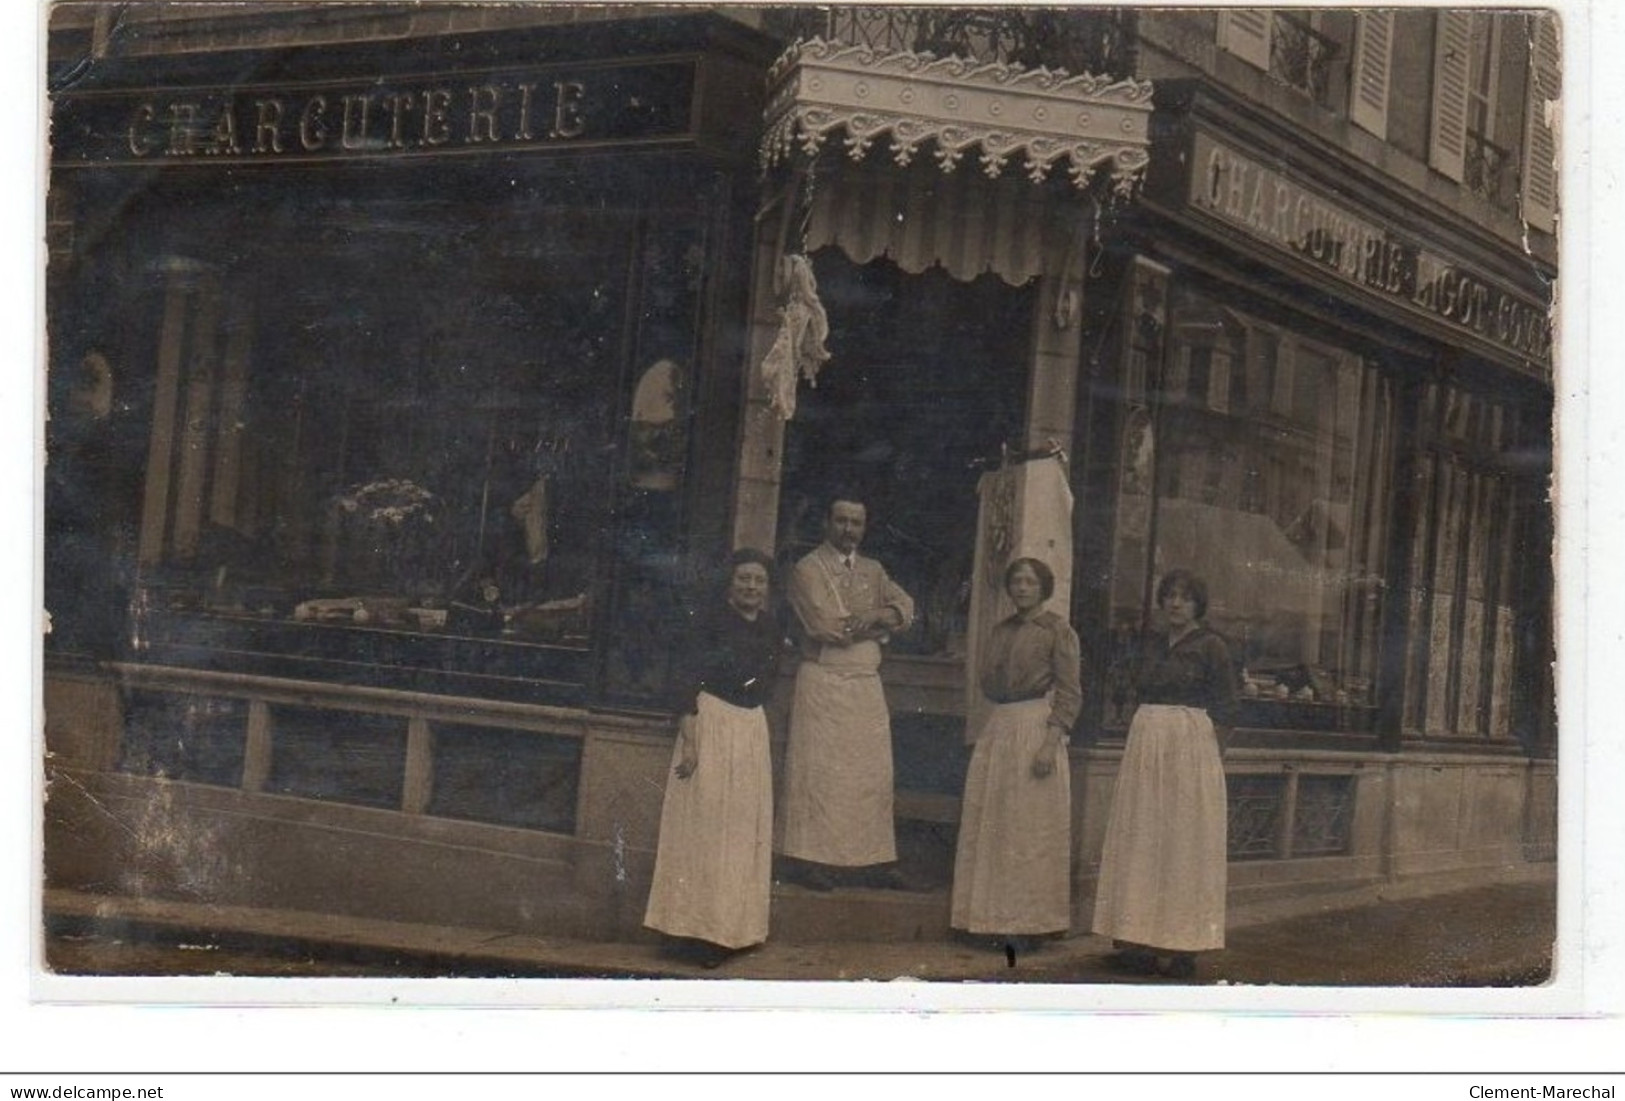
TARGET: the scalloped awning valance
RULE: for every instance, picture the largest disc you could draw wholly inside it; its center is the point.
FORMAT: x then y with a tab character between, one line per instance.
999	110
1044	120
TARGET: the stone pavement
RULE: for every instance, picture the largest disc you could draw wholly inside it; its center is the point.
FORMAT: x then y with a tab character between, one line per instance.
1499	935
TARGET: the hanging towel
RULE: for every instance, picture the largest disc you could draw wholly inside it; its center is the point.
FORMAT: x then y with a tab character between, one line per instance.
798	350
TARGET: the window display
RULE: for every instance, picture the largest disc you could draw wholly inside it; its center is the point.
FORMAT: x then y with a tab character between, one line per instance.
1461	607
417	436
1272	459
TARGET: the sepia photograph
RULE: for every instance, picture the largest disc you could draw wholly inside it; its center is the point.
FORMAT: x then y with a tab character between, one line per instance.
996	496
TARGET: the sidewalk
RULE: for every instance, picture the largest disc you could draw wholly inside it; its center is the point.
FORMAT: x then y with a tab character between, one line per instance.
1499	935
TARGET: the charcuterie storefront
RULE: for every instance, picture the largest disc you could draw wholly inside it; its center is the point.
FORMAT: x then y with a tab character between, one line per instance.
417	349
407	382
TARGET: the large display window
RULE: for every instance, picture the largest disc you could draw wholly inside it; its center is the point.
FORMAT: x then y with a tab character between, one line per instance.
1462	614
1263	460
422	430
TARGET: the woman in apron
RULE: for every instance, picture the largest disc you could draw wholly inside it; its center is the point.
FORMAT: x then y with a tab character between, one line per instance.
712	875
1011	870
1161	895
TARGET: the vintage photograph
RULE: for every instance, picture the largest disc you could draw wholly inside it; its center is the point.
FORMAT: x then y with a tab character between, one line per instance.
994	494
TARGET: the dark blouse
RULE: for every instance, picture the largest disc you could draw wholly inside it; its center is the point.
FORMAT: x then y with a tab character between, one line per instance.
1197	671
733	658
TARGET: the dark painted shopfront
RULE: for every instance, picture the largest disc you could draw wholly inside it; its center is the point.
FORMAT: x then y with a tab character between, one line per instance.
435	376
424	354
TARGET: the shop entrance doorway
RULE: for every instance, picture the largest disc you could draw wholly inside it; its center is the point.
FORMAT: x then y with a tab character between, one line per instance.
928	379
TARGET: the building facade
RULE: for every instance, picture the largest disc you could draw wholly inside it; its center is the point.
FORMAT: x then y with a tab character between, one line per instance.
405	378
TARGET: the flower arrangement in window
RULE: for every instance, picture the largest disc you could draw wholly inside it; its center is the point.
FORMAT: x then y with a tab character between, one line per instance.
385	537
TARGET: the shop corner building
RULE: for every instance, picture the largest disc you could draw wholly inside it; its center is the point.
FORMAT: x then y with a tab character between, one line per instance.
405	385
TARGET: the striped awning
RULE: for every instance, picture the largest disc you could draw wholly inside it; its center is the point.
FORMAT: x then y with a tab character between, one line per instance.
918	217
923	210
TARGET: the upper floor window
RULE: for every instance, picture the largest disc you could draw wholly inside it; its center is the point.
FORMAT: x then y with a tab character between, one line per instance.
1490	111
1466	140
1301	49
1478	111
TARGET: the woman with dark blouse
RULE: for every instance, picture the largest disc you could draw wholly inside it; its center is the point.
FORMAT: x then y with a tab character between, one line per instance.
713	865
1161	895
1011	871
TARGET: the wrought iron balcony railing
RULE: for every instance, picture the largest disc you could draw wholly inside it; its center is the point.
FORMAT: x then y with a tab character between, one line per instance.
1301	57
1489	171
1078	41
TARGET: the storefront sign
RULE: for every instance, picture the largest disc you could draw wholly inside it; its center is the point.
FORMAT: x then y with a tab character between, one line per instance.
1272	208
470	112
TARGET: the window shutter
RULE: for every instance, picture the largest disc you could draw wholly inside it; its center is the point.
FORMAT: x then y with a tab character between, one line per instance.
1245	32
1373	52
1447	150
1540	187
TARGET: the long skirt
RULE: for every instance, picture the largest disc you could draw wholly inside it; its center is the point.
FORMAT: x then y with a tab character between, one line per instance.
1162	872
714	864
1015	831
837	802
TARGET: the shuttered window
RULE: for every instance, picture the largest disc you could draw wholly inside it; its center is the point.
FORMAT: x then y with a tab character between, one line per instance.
1245	32
1540	186
1447	144
1373	53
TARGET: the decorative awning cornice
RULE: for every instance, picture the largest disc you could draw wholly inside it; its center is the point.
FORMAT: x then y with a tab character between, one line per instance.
1044	116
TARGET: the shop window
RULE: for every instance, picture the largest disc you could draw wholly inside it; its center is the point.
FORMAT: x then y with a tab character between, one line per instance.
1462	615
342	756
198	739
508	777
428	453
1278	495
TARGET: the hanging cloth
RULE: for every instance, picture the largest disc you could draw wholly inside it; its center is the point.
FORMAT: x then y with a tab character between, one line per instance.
1025	512
798	350
531	512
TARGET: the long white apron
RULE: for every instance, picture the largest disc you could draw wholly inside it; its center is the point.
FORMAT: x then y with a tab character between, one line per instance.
836	807
714	863
1162	871
1011	869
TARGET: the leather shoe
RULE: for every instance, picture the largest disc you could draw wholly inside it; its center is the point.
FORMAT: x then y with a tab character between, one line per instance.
1130	961
1181	965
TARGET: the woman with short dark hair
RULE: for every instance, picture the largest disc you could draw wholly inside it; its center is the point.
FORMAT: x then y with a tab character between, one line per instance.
1011	870
713	866
1161	893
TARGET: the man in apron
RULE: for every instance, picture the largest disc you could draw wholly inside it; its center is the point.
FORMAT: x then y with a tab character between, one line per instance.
835	816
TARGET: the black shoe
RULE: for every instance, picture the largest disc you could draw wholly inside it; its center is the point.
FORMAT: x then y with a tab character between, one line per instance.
696	952
1132	961
713	956
1181	965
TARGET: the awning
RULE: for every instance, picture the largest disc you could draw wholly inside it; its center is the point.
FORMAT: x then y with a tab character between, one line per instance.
996	111
954	109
